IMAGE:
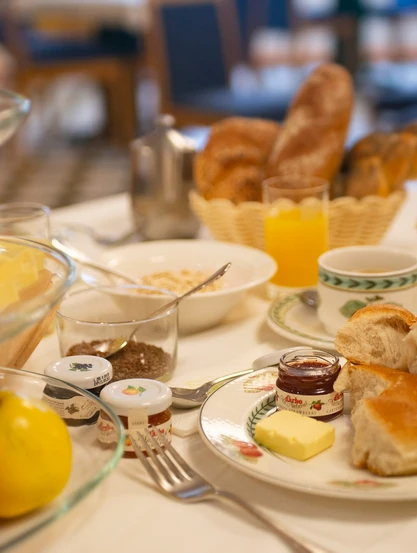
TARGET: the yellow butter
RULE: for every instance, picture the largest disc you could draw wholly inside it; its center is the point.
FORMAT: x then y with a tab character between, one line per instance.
294	435
19	269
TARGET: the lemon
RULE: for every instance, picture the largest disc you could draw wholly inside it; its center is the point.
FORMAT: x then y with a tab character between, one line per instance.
35	454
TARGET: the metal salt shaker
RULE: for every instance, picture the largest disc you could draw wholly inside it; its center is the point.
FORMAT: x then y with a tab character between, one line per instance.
161	178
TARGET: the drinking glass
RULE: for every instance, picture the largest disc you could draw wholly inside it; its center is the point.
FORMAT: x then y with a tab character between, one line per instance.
296	229
26	220
93	316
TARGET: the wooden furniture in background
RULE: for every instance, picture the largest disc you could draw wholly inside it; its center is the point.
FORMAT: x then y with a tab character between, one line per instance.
42	58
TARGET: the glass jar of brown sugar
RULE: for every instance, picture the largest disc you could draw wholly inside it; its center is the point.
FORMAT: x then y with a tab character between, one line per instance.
88	372
305	384
139	403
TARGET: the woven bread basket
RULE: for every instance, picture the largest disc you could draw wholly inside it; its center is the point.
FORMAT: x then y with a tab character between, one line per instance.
352	222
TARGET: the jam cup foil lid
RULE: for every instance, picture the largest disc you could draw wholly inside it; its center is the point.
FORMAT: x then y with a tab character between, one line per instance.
135	393
85	371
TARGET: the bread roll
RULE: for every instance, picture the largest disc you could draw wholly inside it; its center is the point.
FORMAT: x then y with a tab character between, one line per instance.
411	131
385	440
376	335
312	141
366	177
232	165
363	381
394	150
384	417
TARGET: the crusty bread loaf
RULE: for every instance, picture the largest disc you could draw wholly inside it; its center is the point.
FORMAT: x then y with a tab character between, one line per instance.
232	165
376	334
313	138
384	416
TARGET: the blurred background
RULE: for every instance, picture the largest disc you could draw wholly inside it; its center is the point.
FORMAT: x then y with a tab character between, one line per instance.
99	71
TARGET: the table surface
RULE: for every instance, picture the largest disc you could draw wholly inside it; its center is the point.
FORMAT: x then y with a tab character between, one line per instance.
129	13
127	514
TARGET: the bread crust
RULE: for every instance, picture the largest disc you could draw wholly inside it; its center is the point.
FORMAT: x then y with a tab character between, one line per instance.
232	165
394	151
384	310
312	141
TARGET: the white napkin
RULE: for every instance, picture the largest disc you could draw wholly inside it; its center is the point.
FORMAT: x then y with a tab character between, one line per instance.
184	421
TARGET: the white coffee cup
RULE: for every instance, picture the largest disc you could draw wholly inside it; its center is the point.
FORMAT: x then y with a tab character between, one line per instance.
357	276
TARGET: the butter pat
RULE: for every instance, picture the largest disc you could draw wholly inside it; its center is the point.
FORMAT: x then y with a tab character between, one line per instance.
294	435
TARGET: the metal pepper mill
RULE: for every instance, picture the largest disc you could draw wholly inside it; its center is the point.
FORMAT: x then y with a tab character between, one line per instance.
161	178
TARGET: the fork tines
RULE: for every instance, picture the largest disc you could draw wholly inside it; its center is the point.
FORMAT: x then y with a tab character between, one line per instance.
162	462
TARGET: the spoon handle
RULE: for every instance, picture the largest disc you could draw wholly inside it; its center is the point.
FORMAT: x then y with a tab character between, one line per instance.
219	273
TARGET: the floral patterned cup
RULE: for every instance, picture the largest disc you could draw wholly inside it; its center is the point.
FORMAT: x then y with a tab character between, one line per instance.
354	277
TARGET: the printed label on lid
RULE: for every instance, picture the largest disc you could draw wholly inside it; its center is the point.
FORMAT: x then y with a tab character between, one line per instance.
82	367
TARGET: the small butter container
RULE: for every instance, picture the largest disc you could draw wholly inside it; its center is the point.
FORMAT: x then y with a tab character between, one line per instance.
140	403
89	372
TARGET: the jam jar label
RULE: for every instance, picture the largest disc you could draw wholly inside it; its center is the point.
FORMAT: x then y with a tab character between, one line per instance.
165	428
77	407
312	406
106	431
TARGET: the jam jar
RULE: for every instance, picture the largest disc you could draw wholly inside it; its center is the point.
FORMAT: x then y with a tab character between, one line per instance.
305	384
89	372
140	403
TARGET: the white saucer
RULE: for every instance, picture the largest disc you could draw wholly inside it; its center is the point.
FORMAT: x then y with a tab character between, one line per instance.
292	319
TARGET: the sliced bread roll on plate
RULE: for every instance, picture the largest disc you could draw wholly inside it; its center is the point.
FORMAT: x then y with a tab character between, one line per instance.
380	334
384	417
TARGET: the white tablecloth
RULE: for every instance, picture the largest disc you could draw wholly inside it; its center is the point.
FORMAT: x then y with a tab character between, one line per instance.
128	13
127	515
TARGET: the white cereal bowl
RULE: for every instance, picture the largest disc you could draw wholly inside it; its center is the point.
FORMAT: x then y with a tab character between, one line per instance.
250	268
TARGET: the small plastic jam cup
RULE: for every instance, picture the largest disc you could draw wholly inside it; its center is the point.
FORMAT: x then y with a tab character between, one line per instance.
305	384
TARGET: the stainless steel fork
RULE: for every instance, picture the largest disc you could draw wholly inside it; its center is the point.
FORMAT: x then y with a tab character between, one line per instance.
179	481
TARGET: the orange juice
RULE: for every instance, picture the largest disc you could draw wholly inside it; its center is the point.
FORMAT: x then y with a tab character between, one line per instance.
295	238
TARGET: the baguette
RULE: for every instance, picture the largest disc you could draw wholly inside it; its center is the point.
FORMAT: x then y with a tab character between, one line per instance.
313	138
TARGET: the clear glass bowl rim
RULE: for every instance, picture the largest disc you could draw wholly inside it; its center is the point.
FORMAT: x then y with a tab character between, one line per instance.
66	504
33	310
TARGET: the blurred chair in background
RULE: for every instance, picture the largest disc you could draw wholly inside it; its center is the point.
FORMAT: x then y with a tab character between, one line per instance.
195	44
109	57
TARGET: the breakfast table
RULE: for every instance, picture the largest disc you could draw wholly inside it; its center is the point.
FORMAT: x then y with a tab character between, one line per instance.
127	514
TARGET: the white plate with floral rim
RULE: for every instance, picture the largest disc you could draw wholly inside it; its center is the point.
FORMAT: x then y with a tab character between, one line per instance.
292	319
227	424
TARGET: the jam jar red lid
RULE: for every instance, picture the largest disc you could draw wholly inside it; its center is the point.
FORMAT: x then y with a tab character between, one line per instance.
305	384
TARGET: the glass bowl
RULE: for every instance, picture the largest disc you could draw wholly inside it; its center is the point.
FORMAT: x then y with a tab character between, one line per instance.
92	317
91	461
33	279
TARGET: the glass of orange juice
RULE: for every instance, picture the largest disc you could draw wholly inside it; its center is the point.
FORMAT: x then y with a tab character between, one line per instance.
296	229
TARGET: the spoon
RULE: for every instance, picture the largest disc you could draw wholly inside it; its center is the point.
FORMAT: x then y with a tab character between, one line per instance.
188	398
310	298
85	260
109	347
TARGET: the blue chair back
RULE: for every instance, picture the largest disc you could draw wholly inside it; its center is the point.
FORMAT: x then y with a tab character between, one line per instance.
193	47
